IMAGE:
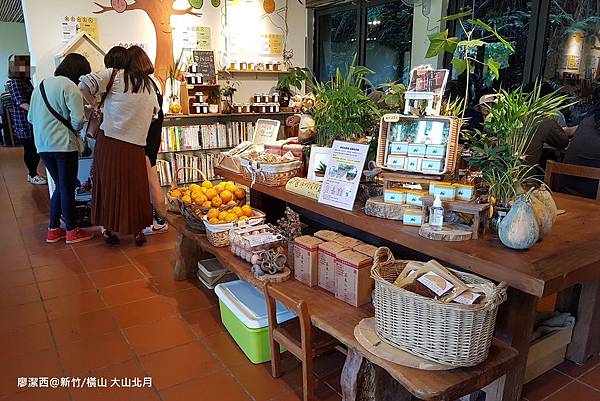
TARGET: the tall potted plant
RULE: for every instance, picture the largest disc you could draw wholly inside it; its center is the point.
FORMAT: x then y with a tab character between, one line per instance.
293	78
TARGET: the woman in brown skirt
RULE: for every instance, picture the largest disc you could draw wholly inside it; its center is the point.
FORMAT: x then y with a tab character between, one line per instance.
121	201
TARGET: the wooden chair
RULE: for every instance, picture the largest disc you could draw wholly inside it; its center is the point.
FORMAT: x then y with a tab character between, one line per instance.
555	168
297	336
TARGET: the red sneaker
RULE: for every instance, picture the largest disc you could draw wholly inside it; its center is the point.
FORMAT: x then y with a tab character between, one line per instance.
78	235
55	235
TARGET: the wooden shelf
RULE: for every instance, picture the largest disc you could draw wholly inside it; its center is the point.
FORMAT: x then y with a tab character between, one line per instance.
253	72
339	320
550	266
208	115
192	150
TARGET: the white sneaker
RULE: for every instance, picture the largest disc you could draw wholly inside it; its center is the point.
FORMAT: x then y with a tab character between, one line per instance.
156	228
37	180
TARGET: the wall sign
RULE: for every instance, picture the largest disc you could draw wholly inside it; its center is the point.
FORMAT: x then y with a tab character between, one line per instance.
206	65
72	25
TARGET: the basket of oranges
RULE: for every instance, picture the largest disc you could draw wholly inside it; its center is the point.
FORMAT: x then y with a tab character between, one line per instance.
219	223
195	201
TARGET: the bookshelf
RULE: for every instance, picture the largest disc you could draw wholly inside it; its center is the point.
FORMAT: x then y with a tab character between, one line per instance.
196	140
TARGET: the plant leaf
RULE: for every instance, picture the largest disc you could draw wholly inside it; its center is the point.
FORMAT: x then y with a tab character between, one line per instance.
494	67
459	65
471	43
437	43
453	17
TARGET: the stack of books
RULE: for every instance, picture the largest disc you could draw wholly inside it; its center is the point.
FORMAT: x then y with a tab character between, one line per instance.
180	138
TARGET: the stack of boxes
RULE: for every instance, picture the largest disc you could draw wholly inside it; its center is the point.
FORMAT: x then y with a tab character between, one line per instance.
416	157
336	263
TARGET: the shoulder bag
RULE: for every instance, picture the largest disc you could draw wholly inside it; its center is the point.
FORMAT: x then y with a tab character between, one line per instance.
81	147
96	117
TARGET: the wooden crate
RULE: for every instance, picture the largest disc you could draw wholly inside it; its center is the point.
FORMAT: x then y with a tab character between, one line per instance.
547	352
187	96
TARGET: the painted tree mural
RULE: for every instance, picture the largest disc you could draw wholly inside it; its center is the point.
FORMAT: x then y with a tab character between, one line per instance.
159	12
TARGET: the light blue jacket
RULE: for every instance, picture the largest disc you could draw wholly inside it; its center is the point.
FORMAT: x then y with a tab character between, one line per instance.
50	135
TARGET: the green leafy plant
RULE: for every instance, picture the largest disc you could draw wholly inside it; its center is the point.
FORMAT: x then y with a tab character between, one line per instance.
294	78
500	151
343	110
320	170
463	60
393	96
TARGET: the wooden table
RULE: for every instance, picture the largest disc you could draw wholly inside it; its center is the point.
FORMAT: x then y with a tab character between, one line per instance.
339	319
569	255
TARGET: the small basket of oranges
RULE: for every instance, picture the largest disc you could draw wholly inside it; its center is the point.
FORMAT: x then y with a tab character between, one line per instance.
219	223
195	201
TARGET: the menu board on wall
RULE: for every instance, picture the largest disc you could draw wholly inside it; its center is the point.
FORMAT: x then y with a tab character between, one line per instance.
206	65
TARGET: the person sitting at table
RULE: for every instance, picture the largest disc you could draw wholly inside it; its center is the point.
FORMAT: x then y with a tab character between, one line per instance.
584	150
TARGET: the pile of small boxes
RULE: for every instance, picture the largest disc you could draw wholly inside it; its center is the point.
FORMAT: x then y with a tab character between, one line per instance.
417	157
336	263
411	198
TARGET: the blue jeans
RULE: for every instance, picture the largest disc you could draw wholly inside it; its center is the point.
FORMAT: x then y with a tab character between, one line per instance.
62	167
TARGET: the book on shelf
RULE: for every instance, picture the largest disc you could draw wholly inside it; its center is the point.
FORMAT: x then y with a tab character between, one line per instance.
179	138
206	136
189	165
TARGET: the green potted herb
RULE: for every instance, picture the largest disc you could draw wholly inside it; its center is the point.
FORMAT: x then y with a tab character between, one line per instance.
227	92
293	78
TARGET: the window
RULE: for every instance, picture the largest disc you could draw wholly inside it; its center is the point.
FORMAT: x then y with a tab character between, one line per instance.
572	52
378	34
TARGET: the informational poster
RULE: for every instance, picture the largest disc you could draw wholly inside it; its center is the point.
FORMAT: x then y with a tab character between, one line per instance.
193	37
272	44
343	173
206	65
127	45
72	25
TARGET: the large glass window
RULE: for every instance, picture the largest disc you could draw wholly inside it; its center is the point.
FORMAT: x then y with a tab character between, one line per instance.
337	41
377	33
572	49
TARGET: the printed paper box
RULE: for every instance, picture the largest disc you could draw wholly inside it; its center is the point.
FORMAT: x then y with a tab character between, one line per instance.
306	261
353	278
328	252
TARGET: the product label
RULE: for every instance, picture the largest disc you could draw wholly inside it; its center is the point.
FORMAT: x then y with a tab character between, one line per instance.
435	283
467	298
261	239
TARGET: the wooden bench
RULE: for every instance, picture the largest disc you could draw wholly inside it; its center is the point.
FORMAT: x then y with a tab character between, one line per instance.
365	376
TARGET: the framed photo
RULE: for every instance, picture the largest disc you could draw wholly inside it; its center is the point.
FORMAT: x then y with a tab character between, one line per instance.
317	165
426	79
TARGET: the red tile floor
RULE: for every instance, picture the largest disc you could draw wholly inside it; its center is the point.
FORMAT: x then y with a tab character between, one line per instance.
90	310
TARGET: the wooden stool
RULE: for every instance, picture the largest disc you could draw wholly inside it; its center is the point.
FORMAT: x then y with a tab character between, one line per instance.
297	336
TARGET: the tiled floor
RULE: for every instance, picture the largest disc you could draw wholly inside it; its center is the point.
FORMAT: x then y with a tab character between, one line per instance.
92	311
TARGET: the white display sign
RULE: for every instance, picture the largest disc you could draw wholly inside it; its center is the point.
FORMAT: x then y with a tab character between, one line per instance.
343	173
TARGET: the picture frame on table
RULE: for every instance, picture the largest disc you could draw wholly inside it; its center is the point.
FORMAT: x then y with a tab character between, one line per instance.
317	164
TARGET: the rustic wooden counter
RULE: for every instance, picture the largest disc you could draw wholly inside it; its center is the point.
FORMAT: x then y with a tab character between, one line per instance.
339	319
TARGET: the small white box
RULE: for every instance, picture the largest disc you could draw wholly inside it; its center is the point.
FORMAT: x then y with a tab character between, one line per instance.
414	164
417	149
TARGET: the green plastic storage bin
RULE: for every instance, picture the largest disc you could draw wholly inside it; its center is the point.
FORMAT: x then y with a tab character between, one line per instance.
244	315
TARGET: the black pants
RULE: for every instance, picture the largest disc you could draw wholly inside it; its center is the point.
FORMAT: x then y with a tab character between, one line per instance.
62	167
30	156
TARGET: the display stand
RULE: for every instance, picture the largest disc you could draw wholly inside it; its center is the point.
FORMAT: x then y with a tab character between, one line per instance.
478	211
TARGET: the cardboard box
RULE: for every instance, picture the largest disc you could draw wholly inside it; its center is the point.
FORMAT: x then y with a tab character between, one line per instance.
306	259
328	252
353	278
348	241
366	249
327	235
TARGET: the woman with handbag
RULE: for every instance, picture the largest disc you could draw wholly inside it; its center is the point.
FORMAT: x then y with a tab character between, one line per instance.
57	114
121	199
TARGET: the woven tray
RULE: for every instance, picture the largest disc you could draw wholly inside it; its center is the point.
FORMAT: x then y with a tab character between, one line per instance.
451	334
270	174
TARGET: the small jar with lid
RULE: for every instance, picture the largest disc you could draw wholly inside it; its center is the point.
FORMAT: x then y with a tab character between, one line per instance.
268	66
190	79
203	108
243	66
193	68
196	108
265	98
277	66
257	98
250	66
262	107
200	79
275	97
237	108
199	97
233	65
246	108
260	66
276	108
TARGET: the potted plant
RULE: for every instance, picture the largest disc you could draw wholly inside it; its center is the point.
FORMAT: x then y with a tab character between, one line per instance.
320	170
227	91
173	75
294	78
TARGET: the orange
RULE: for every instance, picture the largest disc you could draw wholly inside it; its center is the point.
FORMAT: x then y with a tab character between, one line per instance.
230	218
213	220
230	186
199	199
194	187
243	218
226	195
213	213
232	203
247	210
186	199
207	204
219	188
211	193
216	201
237	211
239	193
207	184
203	190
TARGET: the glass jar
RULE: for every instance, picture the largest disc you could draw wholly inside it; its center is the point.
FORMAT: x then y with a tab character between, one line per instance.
233	66
196	108
257	98
243	66
264	98
193	68
190	79
246	108
268	66
200	79
275	97
250	66
203	108
237	108
199	97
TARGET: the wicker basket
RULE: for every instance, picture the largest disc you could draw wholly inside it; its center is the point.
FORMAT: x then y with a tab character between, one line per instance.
218	234
270	174
174	204
450	334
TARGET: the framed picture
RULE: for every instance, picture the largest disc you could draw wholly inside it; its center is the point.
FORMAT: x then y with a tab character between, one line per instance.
426	79
317	165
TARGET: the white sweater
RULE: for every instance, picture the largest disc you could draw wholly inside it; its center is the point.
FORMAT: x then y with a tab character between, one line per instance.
127	115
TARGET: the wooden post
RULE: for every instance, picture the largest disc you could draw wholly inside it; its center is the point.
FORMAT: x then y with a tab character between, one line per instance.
514	325
363	381
585	341
187	254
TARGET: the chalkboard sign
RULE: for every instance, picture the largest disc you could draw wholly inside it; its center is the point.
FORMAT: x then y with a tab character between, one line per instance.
206	65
